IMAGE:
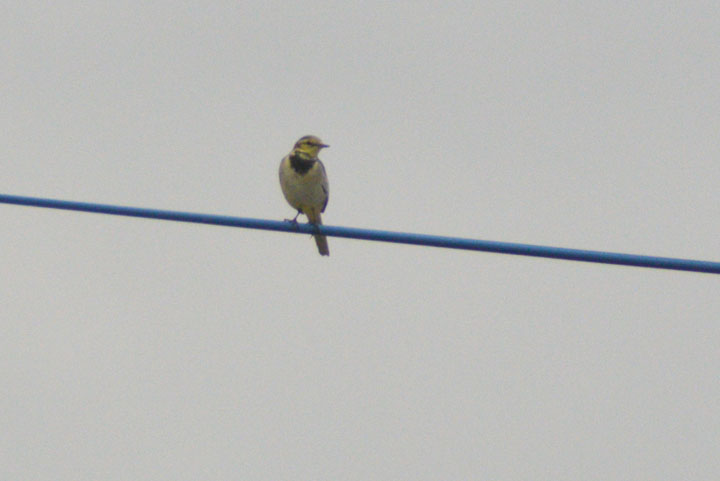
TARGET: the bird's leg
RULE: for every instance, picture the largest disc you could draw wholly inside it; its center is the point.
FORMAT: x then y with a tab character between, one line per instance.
294	219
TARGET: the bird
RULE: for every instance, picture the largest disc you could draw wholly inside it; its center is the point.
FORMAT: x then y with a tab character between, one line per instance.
304	183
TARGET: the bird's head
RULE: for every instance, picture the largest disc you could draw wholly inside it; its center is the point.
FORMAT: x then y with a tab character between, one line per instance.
309	145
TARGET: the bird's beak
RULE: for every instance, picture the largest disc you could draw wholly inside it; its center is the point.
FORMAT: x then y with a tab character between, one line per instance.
324	146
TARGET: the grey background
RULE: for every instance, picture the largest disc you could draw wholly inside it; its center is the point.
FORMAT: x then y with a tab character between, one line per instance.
137	349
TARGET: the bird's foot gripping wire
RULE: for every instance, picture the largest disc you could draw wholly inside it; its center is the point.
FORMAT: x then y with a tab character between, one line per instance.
294	219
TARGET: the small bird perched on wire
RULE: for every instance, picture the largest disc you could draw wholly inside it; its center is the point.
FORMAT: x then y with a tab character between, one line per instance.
304	183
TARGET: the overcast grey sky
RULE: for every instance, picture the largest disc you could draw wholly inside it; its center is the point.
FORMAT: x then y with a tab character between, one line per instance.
137	349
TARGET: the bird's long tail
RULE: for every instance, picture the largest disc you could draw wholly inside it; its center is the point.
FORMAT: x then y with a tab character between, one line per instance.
320	240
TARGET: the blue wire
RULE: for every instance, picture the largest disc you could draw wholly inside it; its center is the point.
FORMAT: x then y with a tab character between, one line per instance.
378	235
